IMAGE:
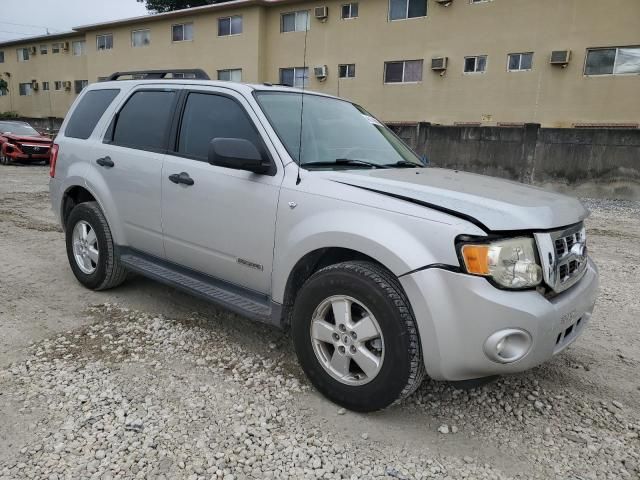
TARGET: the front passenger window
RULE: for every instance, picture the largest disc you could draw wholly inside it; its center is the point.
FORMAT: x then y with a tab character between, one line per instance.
208	116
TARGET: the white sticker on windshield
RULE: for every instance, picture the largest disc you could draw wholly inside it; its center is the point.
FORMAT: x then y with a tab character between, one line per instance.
372	120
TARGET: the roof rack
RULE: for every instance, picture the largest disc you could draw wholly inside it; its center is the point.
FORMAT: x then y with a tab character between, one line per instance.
192	74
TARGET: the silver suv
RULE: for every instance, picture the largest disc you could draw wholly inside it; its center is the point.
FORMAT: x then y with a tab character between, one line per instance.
303	211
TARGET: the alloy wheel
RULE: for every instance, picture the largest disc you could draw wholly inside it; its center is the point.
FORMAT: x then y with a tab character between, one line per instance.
347	340
85	247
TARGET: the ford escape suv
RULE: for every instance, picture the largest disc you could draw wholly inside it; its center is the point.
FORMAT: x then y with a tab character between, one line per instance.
303	211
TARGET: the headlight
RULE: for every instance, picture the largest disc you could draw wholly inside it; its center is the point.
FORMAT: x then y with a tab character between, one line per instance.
509	263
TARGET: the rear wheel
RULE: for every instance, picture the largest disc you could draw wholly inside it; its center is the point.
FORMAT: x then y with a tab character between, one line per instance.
4	160
355	336
91	250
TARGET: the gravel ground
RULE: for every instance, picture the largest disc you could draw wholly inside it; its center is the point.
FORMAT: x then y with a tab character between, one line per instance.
146	382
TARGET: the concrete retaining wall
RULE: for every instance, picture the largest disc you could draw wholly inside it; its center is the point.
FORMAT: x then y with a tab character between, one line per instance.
587	162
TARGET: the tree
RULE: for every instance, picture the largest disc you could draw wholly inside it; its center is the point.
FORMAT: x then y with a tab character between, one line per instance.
161	6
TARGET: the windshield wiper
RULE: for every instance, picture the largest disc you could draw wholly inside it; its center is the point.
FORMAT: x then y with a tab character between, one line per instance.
344	161
404	164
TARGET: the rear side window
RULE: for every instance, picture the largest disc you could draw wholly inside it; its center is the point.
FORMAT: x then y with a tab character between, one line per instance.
209	116
144	121
86	115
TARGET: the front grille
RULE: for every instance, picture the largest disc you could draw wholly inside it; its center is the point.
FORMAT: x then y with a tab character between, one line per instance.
563	255
564	244
35	149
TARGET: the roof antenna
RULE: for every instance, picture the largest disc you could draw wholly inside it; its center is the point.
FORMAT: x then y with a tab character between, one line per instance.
304	70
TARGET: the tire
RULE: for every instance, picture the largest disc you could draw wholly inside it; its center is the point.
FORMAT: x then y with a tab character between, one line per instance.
3	159
373	291
107	272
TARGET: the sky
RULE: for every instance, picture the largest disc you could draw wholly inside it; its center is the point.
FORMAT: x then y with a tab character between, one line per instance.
23	18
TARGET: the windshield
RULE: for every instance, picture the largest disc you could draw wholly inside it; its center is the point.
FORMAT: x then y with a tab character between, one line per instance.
335	133
17	129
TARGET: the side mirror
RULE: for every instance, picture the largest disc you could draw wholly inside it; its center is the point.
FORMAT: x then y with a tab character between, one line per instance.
239	154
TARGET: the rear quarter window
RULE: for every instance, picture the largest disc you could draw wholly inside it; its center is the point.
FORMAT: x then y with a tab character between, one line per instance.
86	115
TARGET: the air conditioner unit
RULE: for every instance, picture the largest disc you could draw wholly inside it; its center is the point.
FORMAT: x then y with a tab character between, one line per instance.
34	85
66	85
321	13
320	72
33	50
560	57
65	46
439	64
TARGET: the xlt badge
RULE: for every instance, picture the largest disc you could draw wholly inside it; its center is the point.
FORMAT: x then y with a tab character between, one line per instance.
249	264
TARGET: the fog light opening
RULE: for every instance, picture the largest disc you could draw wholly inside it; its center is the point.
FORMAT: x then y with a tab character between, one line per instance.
507	346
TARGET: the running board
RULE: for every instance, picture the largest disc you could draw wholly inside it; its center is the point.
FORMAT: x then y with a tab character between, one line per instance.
231	297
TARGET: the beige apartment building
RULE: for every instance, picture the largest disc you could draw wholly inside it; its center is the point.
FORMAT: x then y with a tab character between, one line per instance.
560	63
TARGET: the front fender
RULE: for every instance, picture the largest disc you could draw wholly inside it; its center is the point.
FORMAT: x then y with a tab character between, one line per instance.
401	243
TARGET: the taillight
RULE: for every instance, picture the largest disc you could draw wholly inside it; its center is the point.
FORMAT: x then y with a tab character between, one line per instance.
53	158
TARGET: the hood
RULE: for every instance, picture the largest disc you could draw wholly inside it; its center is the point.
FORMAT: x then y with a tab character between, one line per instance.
27	139
491	203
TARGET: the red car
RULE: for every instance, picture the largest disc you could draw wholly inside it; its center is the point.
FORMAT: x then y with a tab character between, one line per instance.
20	142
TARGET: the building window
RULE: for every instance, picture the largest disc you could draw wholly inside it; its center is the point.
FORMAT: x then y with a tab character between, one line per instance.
104	42
140	38
182	32
230	26
294	77
520	62
25	89
403	9
475	64
79	85
349	10
479	1
45	86
1	57
56	47
23	54
44	49
230	75
613	61
294	21
347	70
79	48
407	71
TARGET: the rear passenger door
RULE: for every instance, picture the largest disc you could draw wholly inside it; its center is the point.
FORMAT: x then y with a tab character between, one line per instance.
130	163
223	224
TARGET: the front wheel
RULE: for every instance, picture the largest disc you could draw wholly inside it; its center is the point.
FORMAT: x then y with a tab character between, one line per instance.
355	336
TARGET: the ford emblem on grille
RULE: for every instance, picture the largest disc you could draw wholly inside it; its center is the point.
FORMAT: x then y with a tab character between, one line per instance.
580	251
36	149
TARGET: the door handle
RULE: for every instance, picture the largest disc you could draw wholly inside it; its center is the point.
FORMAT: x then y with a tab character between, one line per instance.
181	178
105	162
